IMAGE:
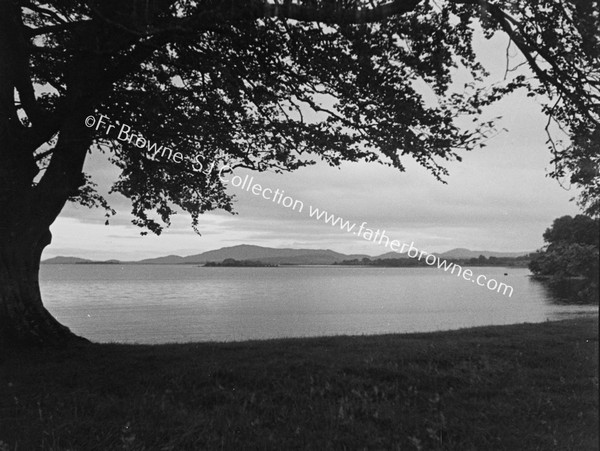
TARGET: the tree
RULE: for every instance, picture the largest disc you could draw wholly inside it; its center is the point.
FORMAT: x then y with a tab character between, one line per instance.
582	161
568	230
249	84
571	252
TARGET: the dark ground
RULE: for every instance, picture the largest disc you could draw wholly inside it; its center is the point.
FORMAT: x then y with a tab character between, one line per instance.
520	387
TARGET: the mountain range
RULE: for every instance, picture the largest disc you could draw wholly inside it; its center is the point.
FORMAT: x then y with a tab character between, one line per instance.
275	256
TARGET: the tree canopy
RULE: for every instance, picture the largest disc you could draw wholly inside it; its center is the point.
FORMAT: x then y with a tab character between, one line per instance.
261	85
571	251
580	229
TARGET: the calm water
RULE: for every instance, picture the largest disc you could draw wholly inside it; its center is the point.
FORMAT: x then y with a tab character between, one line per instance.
158	304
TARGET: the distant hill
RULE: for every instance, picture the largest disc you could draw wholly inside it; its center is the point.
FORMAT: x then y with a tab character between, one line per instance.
274	256
467	253
79	261
389	255
66	261
258	253
168	260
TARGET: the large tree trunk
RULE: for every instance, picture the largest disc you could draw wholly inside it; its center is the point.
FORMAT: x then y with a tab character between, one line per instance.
27	209
23	318
29	203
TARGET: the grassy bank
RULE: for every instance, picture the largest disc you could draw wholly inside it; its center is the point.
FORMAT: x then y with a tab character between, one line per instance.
511	387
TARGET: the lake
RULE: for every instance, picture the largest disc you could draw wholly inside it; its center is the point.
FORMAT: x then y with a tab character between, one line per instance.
179	303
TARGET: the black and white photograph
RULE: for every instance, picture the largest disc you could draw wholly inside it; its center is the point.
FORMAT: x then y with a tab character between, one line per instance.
299	225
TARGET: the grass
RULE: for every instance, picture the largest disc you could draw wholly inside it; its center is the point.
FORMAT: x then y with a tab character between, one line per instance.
519	387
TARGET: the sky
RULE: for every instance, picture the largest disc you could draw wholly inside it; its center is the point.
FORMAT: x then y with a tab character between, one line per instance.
498	199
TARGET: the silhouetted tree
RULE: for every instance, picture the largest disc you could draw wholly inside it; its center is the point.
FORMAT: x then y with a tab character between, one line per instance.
257	85
571	251
580	229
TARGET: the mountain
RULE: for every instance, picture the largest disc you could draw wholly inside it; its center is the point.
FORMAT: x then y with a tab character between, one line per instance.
168	260
79	261
273	256
258	253
389	255
66	261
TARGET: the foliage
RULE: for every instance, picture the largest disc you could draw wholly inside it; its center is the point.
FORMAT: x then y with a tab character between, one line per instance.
568	260
560	41
582	161
568	230
571	252
265	86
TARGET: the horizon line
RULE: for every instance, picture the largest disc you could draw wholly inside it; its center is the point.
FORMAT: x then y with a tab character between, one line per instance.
286	248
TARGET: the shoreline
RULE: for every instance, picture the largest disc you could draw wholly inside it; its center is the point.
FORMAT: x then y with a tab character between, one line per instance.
573	317
589	311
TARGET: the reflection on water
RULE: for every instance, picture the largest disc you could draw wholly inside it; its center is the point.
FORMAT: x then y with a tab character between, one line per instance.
569	292
167	303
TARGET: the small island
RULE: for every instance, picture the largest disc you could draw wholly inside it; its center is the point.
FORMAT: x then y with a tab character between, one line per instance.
231	262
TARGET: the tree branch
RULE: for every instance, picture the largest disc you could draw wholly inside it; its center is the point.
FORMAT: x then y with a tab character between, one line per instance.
33	32
15	59
46	12
333	13
505	23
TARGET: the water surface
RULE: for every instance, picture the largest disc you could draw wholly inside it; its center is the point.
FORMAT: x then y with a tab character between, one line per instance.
178	303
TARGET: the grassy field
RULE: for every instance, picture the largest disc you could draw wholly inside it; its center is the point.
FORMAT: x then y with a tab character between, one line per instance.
521	387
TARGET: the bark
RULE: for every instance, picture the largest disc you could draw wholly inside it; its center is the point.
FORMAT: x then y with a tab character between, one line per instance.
28	205
23	318
26	212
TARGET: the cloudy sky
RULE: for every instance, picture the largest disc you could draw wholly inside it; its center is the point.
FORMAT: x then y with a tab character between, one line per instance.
498	198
